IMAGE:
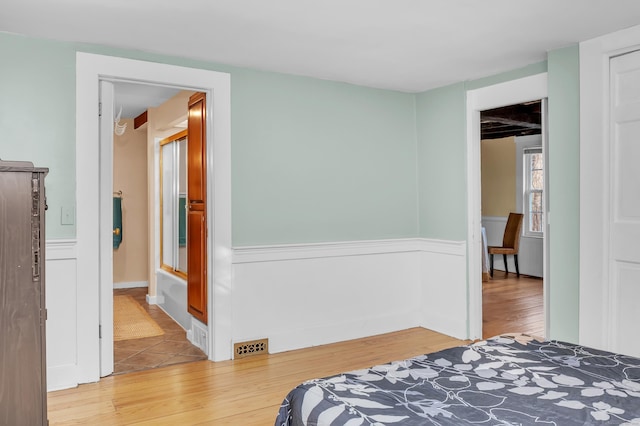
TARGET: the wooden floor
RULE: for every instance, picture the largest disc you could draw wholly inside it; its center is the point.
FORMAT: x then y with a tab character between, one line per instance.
249	391
242	392
511	304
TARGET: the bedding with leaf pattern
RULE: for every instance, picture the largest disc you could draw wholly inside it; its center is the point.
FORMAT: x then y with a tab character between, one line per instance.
507	380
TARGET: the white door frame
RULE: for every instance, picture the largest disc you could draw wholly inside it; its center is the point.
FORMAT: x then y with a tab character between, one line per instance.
90	69
503	94
594	314
105	205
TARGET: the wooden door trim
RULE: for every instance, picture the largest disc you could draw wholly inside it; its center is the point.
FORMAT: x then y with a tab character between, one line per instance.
197	253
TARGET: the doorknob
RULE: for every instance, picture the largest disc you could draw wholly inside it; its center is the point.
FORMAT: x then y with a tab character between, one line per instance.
116	231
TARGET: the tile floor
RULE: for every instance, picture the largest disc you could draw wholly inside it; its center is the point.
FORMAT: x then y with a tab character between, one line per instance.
151	352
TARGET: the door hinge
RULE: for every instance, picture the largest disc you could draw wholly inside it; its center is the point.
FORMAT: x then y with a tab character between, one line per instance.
99	109
100	331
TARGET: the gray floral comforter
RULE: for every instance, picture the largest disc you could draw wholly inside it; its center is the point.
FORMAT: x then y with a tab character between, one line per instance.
506	380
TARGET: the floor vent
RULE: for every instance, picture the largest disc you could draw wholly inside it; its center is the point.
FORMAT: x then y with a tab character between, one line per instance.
253	347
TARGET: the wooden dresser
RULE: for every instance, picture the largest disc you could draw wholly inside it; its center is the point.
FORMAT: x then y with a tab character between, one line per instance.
23	390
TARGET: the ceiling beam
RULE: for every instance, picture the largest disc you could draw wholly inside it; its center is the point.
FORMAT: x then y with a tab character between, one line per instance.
140	120
509	122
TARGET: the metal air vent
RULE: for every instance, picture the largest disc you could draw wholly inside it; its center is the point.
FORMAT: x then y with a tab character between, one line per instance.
253	347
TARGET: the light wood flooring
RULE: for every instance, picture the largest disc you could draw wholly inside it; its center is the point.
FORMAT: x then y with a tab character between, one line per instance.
249	391
242	392
511	304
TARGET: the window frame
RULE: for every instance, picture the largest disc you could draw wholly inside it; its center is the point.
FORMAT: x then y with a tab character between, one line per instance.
528	191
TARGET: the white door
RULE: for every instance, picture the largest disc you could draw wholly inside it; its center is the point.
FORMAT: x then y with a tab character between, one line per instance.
106	227
624	213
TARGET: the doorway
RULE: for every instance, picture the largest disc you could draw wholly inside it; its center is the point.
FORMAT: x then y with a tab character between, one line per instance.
510	93
512	174
150	311
94	225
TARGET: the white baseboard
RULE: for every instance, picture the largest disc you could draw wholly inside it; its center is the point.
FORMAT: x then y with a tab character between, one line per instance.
61	377
131	284
338	332
155	300
446	324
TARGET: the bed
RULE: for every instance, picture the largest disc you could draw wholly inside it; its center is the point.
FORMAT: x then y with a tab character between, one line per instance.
509	379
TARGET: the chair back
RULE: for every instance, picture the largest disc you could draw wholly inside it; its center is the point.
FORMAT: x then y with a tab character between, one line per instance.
511	238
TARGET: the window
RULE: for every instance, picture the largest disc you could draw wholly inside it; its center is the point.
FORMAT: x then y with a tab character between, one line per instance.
533	191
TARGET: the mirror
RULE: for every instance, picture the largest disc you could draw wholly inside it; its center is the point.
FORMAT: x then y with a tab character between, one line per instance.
173	204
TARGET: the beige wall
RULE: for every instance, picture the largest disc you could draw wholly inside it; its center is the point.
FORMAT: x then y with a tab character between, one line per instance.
160	122
498	168
130	176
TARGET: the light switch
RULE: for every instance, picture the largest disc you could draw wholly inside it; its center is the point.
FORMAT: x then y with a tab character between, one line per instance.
67	215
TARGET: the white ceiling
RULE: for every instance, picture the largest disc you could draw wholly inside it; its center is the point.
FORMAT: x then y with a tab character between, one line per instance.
135	98
407	45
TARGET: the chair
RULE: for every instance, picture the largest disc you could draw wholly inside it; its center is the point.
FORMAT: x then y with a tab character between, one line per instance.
510	242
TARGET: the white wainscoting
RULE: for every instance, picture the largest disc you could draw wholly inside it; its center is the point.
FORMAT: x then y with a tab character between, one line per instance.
443	287
130	284
530	257
61	301
312	294
298	295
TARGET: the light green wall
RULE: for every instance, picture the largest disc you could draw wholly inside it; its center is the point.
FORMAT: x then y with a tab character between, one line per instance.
564	191
316	160
312	160
37	117
442	166
441	121
442	154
